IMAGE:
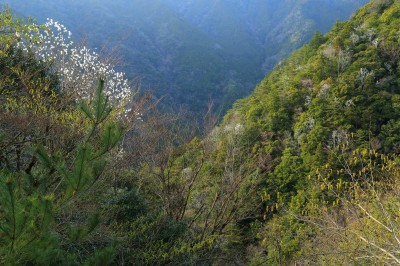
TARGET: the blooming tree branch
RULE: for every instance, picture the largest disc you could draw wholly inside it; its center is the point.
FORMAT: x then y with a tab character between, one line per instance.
78	68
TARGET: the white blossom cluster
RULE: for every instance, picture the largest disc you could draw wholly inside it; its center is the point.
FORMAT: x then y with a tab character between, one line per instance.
235	129
339	137
362	33
364	73
78	68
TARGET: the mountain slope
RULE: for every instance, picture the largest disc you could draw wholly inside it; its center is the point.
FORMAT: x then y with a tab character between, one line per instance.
195	51
306	169
311	149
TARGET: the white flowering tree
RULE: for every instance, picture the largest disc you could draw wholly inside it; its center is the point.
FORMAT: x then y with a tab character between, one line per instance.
78	67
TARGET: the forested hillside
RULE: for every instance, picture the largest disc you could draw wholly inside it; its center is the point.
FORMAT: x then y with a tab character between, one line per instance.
318	142
193	52
304	171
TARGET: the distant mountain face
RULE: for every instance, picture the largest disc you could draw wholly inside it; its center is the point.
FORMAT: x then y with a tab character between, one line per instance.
194	51
278	26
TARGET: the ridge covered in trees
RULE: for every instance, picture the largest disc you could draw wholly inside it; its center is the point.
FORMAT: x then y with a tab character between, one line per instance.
304	171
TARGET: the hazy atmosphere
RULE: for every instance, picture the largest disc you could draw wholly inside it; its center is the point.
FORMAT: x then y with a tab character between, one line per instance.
199	132
193	52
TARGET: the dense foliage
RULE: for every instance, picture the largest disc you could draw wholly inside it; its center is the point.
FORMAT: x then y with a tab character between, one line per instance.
304	171
321	132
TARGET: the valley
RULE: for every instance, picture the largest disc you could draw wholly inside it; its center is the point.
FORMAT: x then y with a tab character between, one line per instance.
192	53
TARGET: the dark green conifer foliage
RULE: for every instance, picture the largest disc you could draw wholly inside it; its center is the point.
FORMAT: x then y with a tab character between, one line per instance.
31	202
